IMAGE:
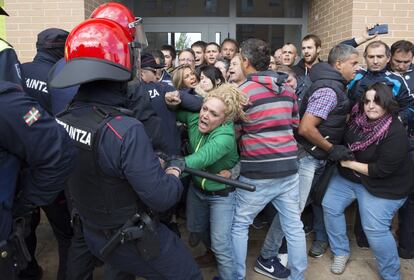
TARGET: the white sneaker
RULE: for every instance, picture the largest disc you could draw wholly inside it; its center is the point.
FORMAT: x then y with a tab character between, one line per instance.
339	264
283	258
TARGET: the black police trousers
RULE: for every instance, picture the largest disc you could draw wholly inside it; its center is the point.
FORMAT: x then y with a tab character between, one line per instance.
59	219
175	262
81	261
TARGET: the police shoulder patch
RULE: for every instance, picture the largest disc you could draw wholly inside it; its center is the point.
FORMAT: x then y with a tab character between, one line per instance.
32	116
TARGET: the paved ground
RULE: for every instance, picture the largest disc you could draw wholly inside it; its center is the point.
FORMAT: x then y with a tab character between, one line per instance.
361	266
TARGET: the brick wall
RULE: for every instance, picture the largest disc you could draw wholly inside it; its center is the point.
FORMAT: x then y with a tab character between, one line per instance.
398	14
334	21
2	22
331	21
29	17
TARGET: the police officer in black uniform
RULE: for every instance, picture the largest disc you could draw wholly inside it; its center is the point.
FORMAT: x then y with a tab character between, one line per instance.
50	48
36	157
118	182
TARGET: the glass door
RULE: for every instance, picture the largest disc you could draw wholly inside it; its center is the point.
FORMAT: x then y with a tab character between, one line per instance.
183	35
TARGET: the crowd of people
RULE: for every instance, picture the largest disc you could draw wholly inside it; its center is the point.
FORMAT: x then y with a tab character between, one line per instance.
101	132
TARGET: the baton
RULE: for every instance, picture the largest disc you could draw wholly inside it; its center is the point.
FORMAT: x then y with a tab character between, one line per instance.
220	179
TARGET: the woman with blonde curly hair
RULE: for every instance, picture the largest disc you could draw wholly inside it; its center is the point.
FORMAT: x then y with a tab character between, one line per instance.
210	205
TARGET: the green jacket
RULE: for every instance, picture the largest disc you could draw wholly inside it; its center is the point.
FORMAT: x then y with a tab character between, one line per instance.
210	152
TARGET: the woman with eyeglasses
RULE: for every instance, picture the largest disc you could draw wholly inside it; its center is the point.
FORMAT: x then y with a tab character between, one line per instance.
380	178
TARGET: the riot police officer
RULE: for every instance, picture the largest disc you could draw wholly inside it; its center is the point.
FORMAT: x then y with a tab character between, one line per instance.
36	157
50	48
118	181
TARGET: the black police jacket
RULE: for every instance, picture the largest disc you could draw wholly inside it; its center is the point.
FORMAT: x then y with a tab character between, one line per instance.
117	169
323	75
35	76
44	149
10	69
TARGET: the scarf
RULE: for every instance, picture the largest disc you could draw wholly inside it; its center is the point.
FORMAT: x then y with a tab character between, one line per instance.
368	131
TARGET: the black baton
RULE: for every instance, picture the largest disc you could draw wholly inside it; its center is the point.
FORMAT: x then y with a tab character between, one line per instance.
220	179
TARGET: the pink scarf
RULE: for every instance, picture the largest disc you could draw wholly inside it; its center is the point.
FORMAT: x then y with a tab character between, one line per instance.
369	131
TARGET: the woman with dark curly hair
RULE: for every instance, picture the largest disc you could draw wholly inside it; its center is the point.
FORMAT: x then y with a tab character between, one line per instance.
380	178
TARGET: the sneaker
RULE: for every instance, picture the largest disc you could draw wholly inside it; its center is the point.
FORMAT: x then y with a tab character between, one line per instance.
339	264
283	258
318	248
206	260
271	267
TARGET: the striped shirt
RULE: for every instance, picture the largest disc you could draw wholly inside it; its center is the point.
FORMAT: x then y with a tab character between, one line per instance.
267	147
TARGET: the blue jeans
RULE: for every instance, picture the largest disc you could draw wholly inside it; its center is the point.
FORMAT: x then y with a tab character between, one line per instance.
307	167
376	215
213	215
284	195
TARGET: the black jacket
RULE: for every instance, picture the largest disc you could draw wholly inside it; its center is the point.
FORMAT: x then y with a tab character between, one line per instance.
323	75
35	75
10	69
300	68
42	146
390	167
122	151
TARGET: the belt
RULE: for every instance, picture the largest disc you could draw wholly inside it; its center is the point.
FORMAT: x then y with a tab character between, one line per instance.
225	192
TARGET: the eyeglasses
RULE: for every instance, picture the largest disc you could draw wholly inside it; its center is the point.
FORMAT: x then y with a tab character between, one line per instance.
182	66
186	59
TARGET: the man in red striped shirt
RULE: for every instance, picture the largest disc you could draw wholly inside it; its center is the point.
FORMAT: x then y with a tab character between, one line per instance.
268	161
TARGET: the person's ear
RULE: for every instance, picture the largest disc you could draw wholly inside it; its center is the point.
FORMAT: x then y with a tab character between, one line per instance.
338	65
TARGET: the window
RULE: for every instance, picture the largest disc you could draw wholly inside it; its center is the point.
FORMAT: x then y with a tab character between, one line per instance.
181	8
275	35
178	40
270	8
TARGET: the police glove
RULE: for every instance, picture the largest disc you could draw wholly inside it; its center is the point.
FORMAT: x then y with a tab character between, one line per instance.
340	152
175	162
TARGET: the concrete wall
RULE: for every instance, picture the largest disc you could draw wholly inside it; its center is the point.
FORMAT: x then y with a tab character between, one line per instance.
334	21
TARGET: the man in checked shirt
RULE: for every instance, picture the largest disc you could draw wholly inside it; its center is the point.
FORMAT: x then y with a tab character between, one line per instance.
323	115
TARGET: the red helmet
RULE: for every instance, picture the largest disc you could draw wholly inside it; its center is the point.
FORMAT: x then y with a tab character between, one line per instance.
116	12
122	15
96	49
